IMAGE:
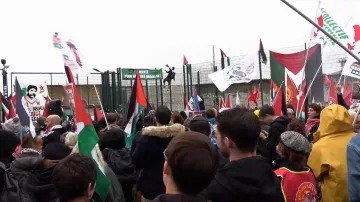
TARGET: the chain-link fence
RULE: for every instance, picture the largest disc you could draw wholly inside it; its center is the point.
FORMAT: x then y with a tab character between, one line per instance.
115	92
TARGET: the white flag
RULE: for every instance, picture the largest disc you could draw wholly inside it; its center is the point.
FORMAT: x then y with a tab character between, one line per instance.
352	67
242	71
237	99
70	53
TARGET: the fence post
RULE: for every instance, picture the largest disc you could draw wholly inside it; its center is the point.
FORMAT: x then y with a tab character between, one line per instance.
188	82
113	88
11	78
88	92
198	81
191	80
184	78
157	93
120	101
147	89
51	89
161	94
170	98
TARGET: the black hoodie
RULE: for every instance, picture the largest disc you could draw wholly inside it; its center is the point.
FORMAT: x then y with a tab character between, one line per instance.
40	186
278	126
179	198
250	180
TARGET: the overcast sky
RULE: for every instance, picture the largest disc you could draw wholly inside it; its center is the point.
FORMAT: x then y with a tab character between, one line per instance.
152	33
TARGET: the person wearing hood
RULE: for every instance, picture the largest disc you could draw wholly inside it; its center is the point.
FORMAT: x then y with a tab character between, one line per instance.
278	125
312	123
54	130
247	177
118	158
328	156
190	165
40	184
148	155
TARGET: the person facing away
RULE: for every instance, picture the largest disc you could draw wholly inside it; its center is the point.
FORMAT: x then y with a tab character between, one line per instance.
247	177
148	155
74	178
297	180
353	169
40	184
328	156
190	165
118	158
278	125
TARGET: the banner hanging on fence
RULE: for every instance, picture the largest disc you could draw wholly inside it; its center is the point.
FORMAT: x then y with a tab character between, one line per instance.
145	74
242	71
35	99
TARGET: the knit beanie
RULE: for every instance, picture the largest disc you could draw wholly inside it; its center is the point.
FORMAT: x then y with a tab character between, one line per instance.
295	142
12	125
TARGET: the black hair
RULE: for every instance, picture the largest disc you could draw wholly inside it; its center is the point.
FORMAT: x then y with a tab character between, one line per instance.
183	115
72	177
8	143
163	115
266	110
191	156
55	151
113	139
30	87
241	126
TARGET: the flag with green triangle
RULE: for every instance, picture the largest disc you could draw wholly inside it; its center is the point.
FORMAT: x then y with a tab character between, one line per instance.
87	138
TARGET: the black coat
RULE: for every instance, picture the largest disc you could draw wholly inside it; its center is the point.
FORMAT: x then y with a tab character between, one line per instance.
40	186
179	198
149	158
250	180
53	136
277	127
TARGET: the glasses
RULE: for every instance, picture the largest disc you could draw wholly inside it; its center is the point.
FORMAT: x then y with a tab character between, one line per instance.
164	153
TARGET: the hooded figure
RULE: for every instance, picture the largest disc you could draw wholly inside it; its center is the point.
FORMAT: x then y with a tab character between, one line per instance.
328	156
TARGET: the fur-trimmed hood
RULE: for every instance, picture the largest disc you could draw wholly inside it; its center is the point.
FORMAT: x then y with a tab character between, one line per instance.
164	131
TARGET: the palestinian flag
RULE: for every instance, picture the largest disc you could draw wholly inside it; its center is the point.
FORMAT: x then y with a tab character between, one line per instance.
97	113
262	54
279	103
332	94
23	111
223	59
303	106
294	64
137	104
87	138
185	62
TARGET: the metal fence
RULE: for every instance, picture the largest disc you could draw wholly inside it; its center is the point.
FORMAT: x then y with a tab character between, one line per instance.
115	92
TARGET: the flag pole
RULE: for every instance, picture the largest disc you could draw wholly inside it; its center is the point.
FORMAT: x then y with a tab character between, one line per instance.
261	86
102	109
322	30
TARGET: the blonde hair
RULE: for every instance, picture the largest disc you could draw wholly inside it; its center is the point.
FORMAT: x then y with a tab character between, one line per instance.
71	139
98	154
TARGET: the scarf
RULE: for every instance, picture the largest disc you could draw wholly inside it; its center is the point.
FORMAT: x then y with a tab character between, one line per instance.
310	123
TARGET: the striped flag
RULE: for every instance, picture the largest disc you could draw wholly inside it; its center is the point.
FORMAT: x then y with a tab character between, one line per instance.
23	111
224	58
87	138
137	104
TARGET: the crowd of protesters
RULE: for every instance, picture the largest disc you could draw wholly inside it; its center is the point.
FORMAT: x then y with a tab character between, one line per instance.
226	155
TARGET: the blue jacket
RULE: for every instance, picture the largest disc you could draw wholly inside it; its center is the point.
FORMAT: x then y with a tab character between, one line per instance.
353	162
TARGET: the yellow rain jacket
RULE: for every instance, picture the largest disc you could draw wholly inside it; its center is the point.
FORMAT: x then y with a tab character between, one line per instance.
328	156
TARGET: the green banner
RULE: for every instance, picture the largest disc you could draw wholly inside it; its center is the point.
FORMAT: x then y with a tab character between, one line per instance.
145	74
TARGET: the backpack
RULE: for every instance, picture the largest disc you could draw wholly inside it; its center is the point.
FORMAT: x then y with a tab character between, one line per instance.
12	190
